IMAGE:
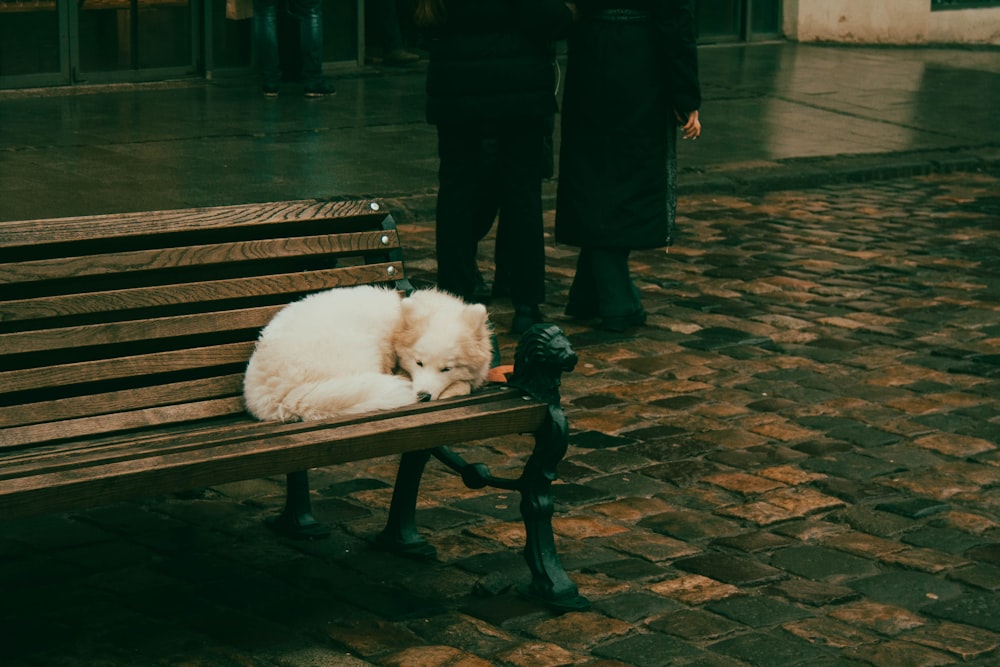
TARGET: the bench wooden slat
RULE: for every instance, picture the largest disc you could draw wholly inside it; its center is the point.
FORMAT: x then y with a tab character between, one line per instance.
195	256
119	401
254	457
133	225
158	440
120	421
125	367
63	338
197	292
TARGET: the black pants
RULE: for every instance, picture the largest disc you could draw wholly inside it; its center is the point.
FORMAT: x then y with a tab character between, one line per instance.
309	15
485	170
603	284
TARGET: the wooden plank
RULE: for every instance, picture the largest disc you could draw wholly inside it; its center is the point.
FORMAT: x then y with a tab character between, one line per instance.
156	442
196	292
19	233
125	367
156	328
119	421
199	255
76	487
119	401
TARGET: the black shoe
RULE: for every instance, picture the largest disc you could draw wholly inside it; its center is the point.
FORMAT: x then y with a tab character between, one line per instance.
524	318
320	89
269	89
619	323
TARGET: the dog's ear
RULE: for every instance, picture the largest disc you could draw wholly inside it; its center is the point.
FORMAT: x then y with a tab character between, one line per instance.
475	315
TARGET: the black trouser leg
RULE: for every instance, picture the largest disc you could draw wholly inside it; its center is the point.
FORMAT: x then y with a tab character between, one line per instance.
611	280
520	227
265	25
310	16
466	206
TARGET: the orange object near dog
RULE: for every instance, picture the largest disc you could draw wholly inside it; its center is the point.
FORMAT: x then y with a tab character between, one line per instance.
499	373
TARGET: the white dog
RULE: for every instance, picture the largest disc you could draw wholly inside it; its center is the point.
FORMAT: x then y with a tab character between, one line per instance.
357	349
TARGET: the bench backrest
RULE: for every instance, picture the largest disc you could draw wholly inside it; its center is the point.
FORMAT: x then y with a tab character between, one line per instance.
115	322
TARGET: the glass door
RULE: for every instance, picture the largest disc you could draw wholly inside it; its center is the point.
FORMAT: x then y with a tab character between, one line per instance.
721	21
33	43
134	40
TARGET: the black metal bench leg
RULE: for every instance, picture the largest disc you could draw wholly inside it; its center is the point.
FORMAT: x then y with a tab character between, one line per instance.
549	581
296	519
400	534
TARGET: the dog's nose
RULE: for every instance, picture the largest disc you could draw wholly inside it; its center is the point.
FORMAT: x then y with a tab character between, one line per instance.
423	396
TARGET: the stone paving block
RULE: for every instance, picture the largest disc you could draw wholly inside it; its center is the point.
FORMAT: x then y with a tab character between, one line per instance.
694	589
869	520
630	508
913	508
822	564
631	569
609	460
757	610
924	560
757	457
730	568
901	653
812	593
694	624
884	619
651	546
965	642
315	656
980	609
743	483
802	501
982	576
580	629
771	649
851	465
502	610
752	542
456	629
758	513
528	654
830	633
646	650
861	544
913	590
635	606
954	445
690	525
433	656
627	484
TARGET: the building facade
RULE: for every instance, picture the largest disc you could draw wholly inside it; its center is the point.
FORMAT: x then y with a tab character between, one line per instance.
79	42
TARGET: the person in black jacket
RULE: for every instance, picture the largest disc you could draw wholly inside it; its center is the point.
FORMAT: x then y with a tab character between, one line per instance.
491	85
631	80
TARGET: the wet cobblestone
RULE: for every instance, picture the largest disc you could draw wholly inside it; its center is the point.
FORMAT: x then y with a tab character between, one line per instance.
796	462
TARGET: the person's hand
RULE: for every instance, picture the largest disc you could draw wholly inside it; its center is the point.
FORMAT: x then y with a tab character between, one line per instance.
690	126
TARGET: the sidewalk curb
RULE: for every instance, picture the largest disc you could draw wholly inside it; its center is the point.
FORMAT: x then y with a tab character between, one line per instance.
769	176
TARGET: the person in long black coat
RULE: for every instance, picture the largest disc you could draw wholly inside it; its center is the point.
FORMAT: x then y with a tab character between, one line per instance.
631	80
491	93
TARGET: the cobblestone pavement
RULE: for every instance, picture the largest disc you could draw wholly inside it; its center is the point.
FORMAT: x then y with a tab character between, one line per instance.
794	463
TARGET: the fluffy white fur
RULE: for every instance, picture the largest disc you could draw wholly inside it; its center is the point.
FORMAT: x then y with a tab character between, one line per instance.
358	349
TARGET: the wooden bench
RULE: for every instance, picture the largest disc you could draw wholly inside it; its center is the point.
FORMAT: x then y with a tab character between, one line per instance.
123	340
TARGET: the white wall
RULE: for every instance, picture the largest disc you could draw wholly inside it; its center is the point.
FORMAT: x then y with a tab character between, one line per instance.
888	22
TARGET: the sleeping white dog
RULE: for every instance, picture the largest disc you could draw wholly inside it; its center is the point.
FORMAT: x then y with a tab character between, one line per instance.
356	349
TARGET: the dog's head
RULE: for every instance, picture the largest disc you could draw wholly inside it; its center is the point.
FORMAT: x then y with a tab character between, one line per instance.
443	344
